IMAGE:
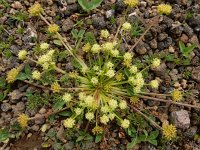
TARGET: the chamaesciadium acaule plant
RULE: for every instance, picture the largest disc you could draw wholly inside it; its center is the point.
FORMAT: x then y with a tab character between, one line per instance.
107	80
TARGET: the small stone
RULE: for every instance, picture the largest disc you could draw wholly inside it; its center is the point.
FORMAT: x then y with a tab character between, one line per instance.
16	95
161	70
35	127
162	36
110	13
69	145
49	2
120	6
67	25
71	1
153	44
191	132
173	74
181	119
196	73
17	5
143	3
141	50
184	38
98	21
171	49
19	107
5	107
42	111
40	120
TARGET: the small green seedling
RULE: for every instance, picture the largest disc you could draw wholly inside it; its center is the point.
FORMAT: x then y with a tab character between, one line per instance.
186	50
88	5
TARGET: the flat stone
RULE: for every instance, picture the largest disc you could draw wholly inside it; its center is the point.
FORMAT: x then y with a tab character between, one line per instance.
196	73
181	119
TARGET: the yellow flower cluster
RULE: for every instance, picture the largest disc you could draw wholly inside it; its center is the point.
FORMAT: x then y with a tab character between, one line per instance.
87	47
126	26
131	3
23	120
104	34
125	123
154	84
35	10
69	123
96	48
113	104
169	131
164	9
67	97
104	119
155	63
53	28
127	59
46	60
55	87
123	104
110	73
44	46
22	54
94	80
134	100
89	116
12	75
108	46
36	75
119	76
177	95
97	130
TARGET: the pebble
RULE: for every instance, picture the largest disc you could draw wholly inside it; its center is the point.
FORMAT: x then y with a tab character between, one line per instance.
15	95
49	2
184	38
71	1
120	6
153	44
17	5
181	119
161	70
35	127
40	120
173	74
5	107
67	25
196	73
191	132
162	36
171	49
110	13
98	21
19	107
42	111
143	3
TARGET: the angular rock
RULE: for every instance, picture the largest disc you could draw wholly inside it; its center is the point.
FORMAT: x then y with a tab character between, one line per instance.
67	25
181	119
110	13
196	73
191	132
5	107
161	70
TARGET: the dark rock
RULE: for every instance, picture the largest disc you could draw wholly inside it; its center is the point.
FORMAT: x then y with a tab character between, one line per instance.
162	36
40	120
71	1
120	6
19	107
98	21
5	107
67	25
153	44
70	9
69	145
188	30
161	70
191	132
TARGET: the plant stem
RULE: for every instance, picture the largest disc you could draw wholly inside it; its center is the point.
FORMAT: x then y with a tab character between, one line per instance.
155	94
146	117
168	101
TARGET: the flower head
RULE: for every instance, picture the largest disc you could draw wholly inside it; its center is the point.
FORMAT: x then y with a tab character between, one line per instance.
177	95
133	69
44	46
104	119
123	104
114	53
12	75
97	130
87	47
36	75
23	120
155	63
169	131
110	73
111	116
69	123
134	100
94	80
131	3
78	111
113	104
126	26
89	116
22	54
104	34
35	10
96	48
67	97
164	9
55	87
108	46
53	28
154	84
125	123
128	56
105	109
119	76
109	65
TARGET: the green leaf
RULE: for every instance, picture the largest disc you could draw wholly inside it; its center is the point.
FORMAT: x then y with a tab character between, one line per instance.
186	50
153	135
80	138
74	33
181	46
4	134
133	143
22	76
2	82
58	105
57	42
90	38
65	113
27	69
132	132
154	142
2	96
98	138
81	33
89	5
142	137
